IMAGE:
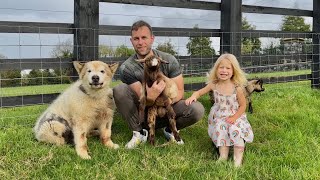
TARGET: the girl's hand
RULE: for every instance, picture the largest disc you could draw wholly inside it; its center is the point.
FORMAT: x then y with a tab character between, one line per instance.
231	120
190	100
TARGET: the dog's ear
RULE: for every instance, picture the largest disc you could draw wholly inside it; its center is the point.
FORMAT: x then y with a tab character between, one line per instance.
113	67
78	66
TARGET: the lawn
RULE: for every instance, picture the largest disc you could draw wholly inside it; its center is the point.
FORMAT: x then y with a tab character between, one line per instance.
286	123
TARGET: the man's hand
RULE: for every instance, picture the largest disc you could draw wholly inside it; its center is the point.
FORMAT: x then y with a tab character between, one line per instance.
155	90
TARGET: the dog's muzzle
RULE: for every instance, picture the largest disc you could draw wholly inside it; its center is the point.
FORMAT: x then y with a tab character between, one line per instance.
95	81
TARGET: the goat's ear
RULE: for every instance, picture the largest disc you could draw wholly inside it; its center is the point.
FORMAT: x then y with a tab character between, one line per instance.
78	66
259	81
163	61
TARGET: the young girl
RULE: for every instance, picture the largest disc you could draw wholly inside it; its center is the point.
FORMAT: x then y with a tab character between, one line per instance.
228	124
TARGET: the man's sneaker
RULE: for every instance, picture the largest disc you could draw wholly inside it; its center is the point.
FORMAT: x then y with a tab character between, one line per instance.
170	137
137	139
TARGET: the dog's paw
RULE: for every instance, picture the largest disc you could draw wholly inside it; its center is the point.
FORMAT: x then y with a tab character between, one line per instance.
85	156
83	153
115	146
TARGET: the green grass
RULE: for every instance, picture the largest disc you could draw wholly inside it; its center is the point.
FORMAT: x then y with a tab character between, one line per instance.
278	74
286	124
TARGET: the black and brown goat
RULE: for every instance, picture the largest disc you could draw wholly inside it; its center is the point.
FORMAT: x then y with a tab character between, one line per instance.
255	85
162	105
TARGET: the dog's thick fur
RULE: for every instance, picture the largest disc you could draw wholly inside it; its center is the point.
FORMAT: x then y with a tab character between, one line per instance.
255	85
86	106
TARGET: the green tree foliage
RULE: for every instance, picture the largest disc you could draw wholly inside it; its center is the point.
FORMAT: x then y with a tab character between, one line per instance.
105	51
200	46
167	47
294	23
9	78
123	51
120	51
53	76
249	45
273	49
307	47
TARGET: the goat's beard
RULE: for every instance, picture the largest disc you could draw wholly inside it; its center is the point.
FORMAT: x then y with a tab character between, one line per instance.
153	68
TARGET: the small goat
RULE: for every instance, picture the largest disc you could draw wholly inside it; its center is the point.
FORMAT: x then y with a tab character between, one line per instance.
252	86
162	105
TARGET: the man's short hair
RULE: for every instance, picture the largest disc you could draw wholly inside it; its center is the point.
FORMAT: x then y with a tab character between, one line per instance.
140	24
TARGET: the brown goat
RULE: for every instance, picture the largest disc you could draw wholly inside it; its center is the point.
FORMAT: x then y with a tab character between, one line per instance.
252	86
162	105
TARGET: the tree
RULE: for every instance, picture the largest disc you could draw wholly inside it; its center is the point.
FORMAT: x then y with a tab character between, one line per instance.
9	78
63	50
294	23
297	24
54	76
105	51
167	47
200	46
249	45
2	56
123	51
273	49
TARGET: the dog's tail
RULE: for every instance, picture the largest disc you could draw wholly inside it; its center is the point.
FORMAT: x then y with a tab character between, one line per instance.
54	132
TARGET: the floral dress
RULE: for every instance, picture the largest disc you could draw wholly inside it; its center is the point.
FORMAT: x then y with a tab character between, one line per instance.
221	132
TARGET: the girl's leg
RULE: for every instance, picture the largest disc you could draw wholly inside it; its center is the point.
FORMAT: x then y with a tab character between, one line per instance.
224	152
238	153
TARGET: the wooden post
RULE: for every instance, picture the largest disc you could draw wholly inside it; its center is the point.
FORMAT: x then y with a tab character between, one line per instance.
231	14
315	75
86	33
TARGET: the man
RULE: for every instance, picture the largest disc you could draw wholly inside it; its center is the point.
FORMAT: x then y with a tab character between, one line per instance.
127	95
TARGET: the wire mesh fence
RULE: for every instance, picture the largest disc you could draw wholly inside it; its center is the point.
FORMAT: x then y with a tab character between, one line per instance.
48	70
36	58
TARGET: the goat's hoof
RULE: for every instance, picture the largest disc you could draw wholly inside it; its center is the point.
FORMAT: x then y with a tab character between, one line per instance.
180	142
152	143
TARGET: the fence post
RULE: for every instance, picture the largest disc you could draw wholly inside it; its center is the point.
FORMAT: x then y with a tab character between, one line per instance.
230	21
315	75
86	33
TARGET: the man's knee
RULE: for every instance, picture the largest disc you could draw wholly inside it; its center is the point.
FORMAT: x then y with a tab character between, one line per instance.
120	91
197	111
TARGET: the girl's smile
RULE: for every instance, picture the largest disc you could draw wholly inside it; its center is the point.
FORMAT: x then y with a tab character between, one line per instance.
225	70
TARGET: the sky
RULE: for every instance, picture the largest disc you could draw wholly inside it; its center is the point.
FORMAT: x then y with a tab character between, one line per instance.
61	11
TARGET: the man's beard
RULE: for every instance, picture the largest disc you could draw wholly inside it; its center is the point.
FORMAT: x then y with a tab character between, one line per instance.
144	54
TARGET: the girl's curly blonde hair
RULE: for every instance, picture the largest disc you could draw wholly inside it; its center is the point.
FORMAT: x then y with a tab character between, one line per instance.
238	77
